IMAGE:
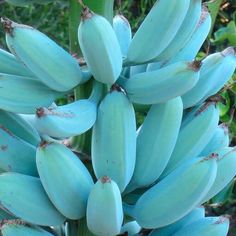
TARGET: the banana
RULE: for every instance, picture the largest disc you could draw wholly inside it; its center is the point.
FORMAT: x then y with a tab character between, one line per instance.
154	66
137	69
71	119
189	183
226	170
219	139
216	70
114	138
155	142
70	198
103	56
169	230
48	61
185	31
152	38
24	197
191	48
130	228
10	65
16	154
162	85
19	127
209	226
193	136
23	94
123	33
105	198
13	228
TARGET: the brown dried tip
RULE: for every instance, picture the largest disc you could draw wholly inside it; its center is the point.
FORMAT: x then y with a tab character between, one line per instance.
211	156
105	179
44	144
229	51
7	25
116	87
12	222
222	220
40	112
86	13
195	66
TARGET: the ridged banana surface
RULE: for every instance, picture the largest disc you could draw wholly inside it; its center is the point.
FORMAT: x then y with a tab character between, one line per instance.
114	138
16	154
104	210
152	38
47	60
209	226
162	85
189	183
24	196
100	47
65	179
24	95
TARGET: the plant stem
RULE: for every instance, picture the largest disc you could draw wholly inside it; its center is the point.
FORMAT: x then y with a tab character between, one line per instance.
72	228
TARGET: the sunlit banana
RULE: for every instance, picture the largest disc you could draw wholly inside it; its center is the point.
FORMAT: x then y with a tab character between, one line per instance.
71	119
152	38
155	141
219	139
189	183
19	127
104	198
13	228
24	95
185	31
209	226
114	138
123	33
169	230
103	56
215	71
162	85
48	61
16	154
226	170
24	196
193	136
65	179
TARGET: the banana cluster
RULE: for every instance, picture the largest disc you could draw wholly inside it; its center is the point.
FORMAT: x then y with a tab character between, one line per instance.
147	180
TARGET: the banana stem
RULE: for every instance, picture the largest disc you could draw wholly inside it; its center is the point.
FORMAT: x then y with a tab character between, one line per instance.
97	92
72	228
83	228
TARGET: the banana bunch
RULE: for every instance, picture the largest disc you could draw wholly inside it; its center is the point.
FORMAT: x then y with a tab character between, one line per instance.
148	179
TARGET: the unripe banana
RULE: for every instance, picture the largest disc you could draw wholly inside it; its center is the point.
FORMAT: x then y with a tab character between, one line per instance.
16	154
169	230
71	119
226	170
185	31
104	210
219	139
123	33
155	141
57	164
130	228
114	138
48	61
24	196
189	183
103	56
193	136
19	127
215	71
23	94
152	38
162	85
13	228
209	226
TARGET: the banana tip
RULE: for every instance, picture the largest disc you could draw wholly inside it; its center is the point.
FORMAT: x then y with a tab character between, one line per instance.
105	179
86	13
44	144
7	25
195	65
211	156
229	51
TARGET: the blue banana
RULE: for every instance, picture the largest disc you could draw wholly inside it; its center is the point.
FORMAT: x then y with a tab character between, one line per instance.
24	197
162	85
57	163
71	119
16	154
47	60
114	138
105	198
103	56
189	183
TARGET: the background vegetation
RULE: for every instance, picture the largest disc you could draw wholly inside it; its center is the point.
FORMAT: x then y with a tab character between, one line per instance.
52	19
